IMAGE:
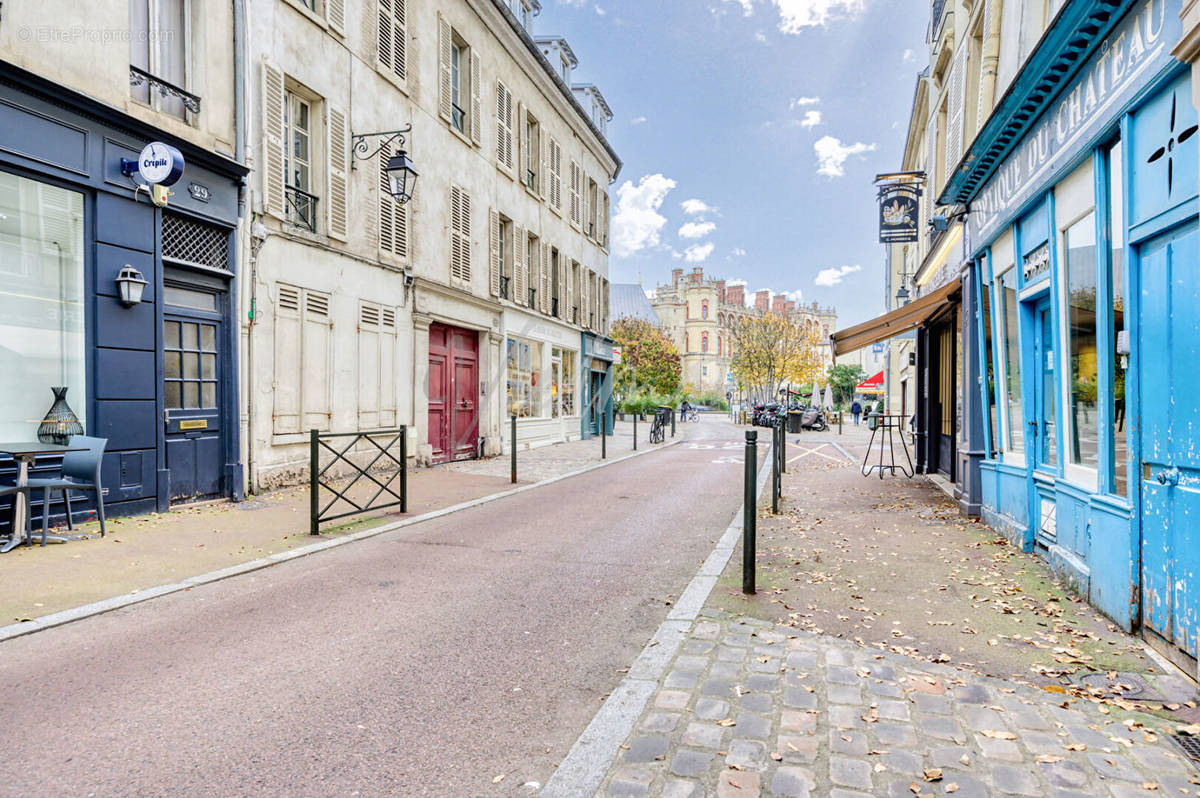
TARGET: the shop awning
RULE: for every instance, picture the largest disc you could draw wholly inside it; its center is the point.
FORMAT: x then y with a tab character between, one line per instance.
874	381
898	321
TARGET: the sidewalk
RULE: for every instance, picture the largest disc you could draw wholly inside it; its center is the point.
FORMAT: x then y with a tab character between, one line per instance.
894	648
142	552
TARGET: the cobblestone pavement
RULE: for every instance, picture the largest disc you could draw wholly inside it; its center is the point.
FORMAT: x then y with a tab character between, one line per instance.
545	462
748	708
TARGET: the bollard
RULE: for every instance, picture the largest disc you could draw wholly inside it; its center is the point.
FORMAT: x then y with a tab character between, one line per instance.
839	422
512	445
782	452
314	467
775	471
603	436
635	415
749	512
404	469
672	422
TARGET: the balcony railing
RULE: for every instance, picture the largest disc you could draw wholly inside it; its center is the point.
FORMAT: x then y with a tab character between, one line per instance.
301	208
504	283
533	297
554	307
460	118
138	77
575	315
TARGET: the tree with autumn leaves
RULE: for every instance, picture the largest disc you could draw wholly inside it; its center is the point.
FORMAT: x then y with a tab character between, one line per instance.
771	349
649	361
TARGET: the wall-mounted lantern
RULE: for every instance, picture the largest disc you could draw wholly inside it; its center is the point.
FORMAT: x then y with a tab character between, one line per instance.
130	286
402	176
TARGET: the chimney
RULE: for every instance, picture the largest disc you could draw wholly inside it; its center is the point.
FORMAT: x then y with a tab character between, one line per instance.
789	306
778	302
736	295
720	290
762	300
697	274
676	274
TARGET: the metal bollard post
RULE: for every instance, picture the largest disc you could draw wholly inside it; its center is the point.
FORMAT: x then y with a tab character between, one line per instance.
404	468
672	422
512	445
782	451
775	471
603	436
314	468
839	422
749	511
635	415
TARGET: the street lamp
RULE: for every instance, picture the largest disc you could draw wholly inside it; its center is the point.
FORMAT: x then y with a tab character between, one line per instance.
902	295
401	175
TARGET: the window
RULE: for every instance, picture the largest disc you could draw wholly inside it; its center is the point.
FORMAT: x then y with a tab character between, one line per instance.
1117	325
704	342
523	12
158	55
532	268
457	56
555	282
459	82
524	378
704	371
1079	244
562	386
590	219
989	358
531	156
1015	420
297	162
460	235
506	257
704	309
41	303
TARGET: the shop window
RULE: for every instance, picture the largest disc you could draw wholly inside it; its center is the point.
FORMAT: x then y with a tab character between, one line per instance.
524	378
1079	244
1006	289
562	382
989	359
41	303
1116	271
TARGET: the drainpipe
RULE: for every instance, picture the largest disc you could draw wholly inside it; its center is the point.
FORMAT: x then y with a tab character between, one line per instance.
990	59
245	245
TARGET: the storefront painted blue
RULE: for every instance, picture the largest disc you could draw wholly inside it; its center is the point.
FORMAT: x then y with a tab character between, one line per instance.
158	379
1088	278
596	373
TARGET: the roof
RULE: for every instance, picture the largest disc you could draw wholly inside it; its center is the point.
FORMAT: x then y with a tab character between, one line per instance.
629	300
562	43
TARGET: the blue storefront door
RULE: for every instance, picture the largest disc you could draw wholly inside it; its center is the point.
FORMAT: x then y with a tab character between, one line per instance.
1044	426
192	390
1169	353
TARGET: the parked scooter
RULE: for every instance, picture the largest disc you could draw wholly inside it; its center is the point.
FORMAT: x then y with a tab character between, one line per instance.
814	419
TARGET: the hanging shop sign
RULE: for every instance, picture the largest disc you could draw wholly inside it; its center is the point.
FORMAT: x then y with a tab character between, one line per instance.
1128	59
158	164
899	207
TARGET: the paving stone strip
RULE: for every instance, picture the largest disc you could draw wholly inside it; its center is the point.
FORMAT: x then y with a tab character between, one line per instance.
748	708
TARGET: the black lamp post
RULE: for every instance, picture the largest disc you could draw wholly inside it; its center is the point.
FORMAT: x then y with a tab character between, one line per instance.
402	176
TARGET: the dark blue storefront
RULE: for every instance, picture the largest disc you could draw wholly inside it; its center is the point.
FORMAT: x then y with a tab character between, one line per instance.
597	375
157	379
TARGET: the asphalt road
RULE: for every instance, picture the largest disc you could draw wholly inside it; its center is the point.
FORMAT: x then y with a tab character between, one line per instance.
423	662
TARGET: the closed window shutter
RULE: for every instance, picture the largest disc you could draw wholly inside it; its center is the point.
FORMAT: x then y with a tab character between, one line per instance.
520	255
544	170
544	283
335	15
519	141
393	42
445	90
285	394
603	237
494	252
460	234
563	298
504	126
955	106
576	210
314	365
393	217
338	152
369	362
476	100
274	140
555	175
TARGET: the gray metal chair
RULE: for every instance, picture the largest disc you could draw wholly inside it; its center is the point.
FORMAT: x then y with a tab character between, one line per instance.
81	471
13	490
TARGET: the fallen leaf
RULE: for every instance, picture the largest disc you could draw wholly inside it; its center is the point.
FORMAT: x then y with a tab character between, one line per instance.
998	735
1076	746
726	722
933	774
1048	758
498	779
952	787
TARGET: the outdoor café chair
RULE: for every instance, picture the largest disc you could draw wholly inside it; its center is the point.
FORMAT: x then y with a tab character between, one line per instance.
80	471
13	490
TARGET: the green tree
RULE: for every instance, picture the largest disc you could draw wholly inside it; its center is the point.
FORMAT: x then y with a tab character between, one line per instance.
844	378
649	361
772	349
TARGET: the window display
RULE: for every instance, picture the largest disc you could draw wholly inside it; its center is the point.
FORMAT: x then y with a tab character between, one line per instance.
524	378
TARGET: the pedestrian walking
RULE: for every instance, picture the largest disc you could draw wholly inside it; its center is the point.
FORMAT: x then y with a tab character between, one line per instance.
856	411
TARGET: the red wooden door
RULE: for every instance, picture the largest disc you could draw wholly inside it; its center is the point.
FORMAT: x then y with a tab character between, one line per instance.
453	393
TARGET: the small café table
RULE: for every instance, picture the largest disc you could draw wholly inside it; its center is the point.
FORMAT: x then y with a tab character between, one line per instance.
25	452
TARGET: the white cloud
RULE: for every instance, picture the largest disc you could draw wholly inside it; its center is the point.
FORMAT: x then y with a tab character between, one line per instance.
600	11
832	154
802	101
831	277
698	253
747	6
796	296
695	207
738	252
696	229
811	119
796	15
909	55
760	37
638	120
735	281
637	222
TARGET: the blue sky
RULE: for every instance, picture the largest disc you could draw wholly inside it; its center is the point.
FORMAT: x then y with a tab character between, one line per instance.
771	116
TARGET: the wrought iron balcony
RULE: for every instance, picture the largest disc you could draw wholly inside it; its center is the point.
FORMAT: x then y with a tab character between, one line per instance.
301	208
575	315
504	283
554	307
139	77
533	297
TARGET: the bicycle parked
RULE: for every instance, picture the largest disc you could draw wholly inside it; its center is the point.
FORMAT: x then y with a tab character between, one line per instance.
658	427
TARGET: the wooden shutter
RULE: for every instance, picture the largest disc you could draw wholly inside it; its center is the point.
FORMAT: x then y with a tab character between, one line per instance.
393	37
576	209
504	126
335	15
555	175
314	366
285	393
563	299
954	109
274	140
460	234
602	233
393	217
519	143
520	293
544	283
445	90
476	100
494	252
338	161
544	169
369	374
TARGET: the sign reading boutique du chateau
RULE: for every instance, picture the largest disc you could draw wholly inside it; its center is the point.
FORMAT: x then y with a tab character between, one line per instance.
1124	62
